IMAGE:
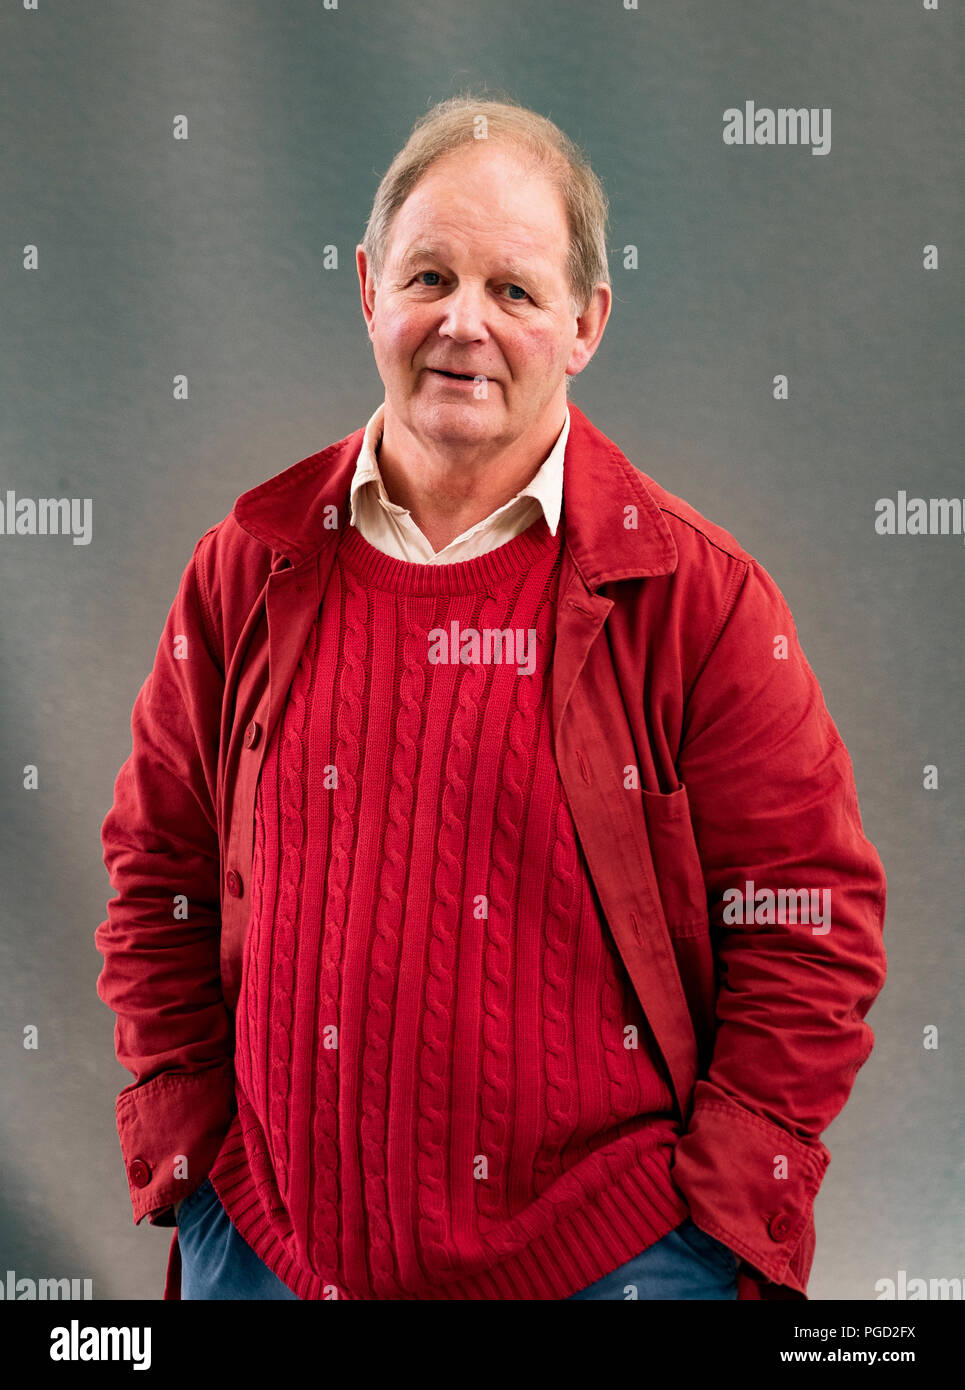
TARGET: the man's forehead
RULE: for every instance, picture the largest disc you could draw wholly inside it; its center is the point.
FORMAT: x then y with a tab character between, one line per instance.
441	251
508	235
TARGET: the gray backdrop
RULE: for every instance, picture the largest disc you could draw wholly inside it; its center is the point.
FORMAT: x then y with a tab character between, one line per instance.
204	257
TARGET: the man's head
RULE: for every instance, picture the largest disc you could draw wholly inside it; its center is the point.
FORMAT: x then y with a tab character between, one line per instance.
484	257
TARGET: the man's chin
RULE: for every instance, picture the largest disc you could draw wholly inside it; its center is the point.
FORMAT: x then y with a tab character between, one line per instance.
457	420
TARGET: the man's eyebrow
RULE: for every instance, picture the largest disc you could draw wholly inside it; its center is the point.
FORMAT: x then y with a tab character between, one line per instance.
419	253
430	253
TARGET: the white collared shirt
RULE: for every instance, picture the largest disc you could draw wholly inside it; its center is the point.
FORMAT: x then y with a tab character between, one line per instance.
390	528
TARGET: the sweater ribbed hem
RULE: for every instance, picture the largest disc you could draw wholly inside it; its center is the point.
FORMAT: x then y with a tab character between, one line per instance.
640	1208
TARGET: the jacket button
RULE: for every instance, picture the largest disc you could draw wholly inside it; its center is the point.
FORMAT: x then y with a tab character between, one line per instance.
252	734
233	883
140	1173
778	1226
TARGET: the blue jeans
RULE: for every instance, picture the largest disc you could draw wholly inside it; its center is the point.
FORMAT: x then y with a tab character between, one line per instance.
217	1263
686	1263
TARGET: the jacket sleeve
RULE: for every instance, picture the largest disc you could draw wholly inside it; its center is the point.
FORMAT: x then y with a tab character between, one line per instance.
773	802
161	939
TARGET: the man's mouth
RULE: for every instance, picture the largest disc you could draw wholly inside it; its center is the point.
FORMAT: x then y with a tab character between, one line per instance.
457	376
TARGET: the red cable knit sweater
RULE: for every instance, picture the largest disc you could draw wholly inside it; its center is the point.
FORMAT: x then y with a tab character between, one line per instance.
446	1085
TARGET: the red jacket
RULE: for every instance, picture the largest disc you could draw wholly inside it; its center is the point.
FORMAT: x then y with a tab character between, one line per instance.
696	753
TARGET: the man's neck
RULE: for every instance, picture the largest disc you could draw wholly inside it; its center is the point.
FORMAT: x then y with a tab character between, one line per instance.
447	495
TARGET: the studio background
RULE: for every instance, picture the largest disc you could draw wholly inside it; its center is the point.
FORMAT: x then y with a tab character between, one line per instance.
205	256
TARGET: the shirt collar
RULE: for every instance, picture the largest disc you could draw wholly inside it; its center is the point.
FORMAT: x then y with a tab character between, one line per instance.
546	485
295	514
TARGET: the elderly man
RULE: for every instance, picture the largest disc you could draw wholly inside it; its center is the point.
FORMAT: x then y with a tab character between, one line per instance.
495	918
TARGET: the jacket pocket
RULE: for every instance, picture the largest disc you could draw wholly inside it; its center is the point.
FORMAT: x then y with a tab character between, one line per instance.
676	860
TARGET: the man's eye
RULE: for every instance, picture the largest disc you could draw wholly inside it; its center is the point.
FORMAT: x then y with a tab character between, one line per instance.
431	285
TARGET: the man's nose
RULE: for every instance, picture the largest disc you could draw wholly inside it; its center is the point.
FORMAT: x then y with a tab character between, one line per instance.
464	314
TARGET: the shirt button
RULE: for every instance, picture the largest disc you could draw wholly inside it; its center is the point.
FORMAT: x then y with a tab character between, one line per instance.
233	883
778	1226
252	734
140	1173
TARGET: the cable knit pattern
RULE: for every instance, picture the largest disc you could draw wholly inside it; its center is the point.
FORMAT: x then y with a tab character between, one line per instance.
284	920
438	1092
248	1042
376	1063
557	1002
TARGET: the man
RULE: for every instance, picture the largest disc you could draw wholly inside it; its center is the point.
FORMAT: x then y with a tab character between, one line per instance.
495	918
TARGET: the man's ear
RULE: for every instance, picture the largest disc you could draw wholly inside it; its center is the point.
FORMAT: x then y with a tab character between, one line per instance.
589	329
366	286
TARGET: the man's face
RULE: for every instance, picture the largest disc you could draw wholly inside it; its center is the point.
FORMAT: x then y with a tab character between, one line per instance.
474	282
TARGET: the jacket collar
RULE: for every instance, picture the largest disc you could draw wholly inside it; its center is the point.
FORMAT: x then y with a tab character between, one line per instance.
613	524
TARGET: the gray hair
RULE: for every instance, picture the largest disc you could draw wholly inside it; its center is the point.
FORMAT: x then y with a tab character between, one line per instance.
458	121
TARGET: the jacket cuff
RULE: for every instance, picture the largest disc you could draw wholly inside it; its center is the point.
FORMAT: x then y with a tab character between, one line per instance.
171	1129
751	1184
